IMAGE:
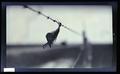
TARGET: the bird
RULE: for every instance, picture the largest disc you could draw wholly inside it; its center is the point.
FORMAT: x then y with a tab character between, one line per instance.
51	36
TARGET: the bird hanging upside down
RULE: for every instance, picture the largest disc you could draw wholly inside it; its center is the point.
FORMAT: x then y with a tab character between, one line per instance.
51	37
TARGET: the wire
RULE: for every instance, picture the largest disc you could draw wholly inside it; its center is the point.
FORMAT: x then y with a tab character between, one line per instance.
77	33
77	59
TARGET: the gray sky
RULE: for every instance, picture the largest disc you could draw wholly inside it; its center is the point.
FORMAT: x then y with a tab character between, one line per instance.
27	27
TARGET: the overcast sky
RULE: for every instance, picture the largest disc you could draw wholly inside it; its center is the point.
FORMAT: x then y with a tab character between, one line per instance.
27	27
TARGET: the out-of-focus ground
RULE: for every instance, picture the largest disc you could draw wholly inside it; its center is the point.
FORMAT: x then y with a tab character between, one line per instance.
60	56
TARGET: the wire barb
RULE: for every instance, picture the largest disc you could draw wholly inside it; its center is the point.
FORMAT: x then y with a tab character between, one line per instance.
39	12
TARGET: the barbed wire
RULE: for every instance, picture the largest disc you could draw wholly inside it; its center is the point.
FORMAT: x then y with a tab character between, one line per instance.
39	12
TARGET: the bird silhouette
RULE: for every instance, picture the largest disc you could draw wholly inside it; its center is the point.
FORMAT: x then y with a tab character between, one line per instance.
51	37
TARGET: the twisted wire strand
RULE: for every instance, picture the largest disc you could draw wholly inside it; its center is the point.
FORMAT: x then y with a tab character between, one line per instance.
77	33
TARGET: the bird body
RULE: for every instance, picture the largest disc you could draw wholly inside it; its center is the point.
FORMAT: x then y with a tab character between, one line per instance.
51	37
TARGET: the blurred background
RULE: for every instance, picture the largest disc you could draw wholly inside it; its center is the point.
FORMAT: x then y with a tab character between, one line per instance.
26	31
